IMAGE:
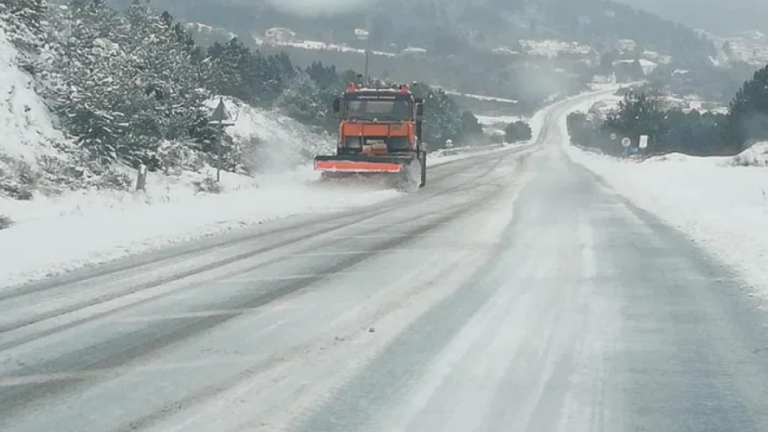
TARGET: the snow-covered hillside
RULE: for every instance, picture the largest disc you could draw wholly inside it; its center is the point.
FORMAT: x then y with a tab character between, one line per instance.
750	47
25	121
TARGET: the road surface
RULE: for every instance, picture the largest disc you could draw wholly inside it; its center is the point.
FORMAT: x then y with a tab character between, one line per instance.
514	293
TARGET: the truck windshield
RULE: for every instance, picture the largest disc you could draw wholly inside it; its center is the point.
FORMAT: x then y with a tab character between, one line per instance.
379	109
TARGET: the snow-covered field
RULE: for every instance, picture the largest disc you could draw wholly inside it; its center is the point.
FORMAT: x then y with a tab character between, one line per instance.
480	97
316	45
719	204
551	48
502	120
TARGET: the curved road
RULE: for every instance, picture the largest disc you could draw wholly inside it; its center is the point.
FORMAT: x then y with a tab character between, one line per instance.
515	293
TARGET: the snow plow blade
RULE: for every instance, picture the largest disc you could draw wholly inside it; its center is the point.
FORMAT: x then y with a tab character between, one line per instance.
362	164
401	172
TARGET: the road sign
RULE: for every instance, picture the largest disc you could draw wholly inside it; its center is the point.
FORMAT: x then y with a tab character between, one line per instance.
220	114
643	141
626	142
613	137
219	117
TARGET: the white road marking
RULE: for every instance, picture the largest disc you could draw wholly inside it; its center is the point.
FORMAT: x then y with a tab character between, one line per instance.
218	361
186	315
586	238
388	236
304	276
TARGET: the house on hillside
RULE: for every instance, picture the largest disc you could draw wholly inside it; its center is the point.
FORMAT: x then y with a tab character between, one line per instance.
280	35
625	45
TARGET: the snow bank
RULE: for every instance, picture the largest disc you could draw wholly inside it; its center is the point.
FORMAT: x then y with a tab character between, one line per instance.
757	155
720	206
66	233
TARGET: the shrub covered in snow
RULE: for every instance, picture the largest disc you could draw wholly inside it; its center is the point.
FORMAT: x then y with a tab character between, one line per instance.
517	131
5	222
207	185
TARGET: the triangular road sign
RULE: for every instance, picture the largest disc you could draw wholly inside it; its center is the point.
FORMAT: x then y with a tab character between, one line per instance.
220	114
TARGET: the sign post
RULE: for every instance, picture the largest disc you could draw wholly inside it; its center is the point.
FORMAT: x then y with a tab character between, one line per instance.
626	142
219	116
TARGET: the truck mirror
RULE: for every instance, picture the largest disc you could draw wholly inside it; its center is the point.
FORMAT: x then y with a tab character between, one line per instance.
336	105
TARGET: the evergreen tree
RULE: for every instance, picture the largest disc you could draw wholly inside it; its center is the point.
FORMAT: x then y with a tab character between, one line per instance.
639	113
471	129
442	119
301	100
517	131
747	120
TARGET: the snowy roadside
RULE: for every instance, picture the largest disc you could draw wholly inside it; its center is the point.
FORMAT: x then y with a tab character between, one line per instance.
719	205
79	230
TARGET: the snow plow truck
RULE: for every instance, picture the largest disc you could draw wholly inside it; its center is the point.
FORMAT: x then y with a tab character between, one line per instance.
379	136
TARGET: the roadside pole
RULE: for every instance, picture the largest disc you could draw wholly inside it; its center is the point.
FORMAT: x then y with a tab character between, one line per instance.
218	117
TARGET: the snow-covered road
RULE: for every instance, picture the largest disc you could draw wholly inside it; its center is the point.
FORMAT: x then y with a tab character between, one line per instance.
515	293
51	236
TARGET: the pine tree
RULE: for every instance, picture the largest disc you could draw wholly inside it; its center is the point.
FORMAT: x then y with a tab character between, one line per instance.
85	79
747	120
23	20
300	100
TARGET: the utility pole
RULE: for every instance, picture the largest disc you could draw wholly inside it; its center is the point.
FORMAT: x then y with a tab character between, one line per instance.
218	150
367	47
363	35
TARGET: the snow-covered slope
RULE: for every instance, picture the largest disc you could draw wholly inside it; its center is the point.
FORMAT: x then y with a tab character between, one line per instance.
25	121
26	125
719	203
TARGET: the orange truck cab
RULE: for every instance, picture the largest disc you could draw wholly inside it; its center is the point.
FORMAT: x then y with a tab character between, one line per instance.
379	132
